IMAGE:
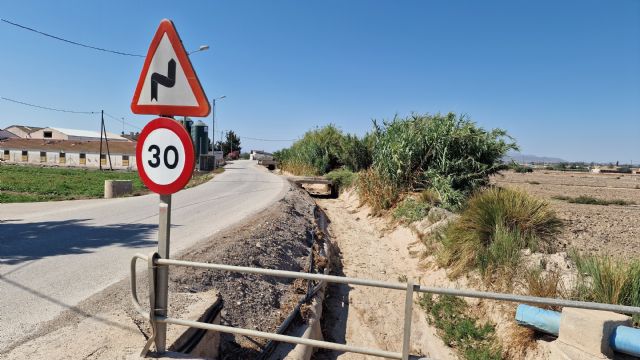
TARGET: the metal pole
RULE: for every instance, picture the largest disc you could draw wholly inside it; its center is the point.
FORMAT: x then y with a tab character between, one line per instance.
162	281
408	310
213	125
101	127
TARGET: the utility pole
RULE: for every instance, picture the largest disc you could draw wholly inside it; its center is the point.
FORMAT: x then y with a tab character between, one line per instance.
213	121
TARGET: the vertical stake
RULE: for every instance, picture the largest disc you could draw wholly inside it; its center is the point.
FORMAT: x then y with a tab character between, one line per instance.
408	309
162	285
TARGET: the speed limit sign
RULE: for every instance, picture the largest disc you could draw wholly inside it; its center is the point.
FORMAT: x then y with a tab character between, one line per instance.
165	156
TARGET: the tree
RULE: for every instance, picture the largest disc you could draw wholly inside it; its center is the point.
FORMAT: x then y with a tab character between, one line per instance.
230	143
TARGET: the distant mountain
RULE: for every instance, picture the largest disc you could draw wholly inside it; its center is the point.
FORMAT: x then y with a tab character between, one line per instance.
520	158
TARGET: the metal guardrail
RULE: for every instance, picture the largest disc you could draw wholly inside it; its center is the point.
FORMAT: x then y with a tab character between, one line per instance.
408	287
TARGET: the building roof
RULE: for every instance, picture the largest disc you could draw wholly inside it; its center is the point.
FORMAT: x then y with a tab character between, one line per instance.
116	147
5	134
27	129
87	133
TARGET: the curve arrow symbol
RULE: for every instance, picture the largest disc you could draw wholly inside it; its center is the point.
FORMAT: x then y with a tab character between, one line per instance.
166	81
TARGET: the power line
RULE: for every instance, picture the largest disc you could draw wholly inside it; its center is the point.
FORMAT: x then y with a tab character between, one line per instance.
69	41
257	139
48	108
122	121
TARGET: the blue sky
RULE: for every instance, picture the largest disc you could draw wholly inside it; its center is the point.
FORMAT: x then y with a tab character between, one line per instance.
563	77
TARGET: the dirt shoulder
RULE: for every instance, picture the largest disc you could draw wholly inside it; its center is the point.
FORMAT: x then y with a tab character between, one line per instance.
365	316
106	326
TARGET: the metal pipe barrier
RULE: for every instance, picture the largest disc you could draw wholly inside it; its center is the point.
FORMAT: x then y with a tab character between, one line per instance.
409	288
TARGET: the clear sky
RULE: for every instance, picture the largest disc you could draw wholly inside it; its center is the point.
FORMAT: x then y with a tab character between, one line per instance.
563	77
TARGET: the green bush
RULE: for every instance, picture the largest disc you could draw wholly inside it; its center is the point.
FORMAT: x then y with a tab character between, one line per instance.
324	149
447	153
496	224
410	210
342	179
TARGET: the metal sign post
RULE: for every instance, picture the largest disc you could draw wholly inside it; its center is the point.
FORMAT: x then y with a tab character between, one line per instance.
162	287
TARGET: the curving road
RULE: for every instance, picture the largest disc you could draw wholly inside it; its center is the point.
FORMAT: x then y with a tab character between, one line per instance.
54	255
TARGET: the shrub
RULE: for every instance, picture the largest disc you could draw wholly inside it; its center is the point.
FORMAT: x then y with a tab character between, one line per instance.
602	279
342	179
496	224
449	154
354	153
324	149
410	210
520	168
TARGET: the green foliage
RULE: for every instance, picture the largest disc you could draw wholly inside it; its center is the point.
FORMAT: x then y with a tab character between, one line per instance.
448	153
245	156
461	331
410	210
496	224
322	150
30	183
593	201
230	143
602	279
520	168
342	178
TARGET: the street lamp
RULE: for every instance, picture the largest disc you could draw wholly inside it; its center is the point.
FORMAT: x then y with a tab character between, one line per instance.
213	121
201	48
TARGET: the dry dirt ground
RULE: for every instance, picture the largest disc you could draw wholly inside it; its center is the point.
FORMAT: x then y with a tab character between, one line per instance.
366	316
107	327
611	229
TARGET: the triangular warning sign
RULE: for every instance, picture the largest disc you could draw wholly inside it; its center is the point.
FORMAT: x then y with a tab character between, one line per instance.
168	85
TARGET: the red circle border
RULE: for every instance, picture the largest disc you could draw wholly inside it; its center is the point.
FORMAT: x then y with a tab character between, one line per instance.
189	162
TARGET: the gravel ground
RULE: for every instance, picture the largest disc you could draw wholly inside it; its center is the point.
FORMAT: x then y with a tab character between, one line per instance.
609	229
278	238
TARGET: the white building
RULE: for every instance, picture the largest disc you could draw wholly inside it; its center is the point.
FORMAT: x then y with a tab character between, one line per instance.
69	153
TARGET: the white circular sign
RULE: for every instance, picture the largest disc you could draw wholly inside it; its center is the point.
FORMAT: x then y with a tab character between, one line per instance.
163	156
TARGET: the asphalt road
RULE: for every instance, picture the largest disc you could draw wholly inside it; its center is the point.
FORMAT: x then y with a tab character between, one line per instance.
54	255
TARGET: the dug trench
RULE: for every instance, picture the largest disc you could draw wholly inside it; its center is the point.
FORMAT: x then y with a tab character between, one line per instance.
106	326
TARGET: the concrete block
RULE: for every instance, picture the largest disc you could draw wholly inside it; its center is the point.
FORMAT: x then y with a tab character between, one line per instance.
587	332
117	188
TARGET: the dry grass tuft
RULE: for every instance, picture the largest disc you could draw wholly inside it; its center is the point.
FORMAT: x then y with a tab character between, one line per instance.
492	230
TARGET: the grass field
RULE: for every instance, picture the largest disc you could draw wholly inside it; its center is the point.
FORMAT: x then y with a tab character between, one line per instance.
30	183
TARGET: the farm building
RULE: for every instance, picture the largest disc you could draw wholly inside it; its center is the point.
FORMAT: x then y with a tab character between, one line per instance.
4	134
68	153
22	131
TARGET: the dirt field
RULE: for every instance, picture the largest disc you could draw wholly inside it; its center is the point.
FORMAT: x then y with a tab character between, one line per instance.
611	229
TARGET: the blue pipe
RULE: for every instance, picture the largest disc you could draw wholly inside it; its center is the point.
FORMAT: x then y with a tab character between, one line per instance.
547	321
624	339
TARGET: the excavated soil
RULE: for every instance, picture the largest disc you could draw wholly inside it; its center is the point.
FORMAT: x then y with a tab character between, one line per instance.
611	229
277	238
